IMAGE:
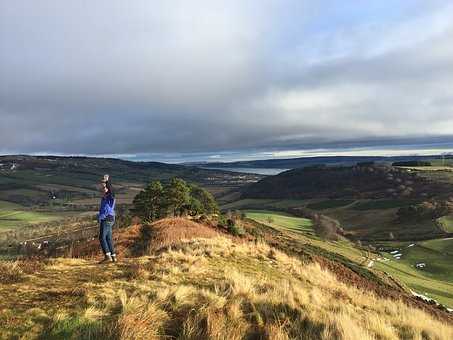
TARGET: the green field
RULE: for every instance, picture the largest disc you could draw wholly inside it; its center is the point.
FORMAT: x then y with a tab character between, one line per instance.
435	281
281	220
263	204
13	215
382	204
302	230
447	223
368	219
329	204
444	245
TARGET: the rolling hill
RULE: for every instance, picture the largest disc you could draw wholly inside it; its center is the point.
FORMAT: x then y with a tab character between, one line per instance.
356	182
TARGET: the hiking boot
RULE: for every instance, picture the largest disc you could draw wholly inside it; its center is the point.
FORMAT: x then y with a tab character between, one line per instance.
106	259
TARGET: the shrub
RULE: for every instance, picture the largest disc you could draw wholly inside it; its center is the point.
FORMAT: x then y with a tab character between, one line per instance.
230	222
222	221
236	230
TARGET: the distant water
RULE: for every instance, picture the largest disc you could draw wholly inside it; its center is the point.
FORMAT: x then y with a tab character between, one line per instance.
259	171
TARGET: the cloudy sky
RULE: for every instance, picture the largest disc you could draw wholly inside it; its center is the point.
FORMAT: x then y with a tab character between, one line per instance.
221	80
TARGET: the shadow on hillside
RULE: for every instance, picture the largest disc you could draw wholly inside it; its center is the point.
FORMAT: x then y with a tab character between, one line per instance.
141	246
292	320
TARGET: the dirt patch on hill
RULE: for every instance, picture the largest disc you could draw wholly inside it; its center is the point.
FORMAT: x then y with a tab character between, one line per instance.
167	233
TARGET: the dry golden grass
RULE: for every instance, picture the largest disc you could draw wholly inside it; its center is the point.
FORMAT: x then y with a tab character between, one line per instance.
170	231
213	288
11	272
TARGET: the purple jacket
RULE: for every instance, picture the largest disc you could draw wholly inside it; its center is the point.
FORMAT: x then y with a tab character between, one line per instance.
107	207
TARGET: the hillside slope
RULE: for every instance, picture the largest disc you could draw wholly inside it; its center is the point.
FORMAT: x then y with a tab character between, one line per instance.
199	283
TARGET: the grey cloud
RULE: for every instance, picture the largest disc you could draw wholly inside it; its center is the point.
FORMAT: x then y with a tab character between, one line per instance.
105	77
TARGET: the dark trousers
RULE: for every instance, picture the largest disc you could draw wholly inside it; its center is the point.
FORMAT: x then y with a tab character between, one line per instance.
105	237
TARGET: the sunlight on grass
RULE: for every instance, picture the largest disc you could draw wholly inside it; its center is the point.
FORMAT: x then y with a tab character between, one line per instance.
280	219
304	231
215	289
447	223
436	281
13	215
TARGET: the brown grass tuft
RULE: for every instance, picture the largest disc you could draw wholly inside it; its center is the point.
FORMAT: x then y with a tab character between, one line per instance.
135	271
171	230
139	319
11	272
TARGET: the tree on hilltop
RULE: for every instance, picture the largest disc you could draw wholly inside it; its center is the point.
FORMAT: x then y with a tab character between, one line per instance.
206	199
177	196
149	203
174	198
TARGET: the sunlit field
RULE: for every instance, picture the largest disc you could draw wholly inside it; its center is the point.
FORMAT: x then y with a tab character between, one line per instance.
13	216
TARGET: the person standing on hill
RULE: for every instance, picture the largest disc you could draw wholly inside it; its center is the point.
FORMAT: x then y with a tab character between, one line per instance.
106	220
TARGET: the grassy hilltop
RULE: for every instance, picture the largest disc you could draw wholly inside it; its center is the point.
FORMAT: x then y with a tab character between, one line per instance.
181	279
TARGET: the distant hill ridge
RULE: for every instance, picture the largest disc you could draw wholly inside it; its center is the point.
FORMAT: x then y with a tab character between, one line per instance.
292	163
31	162
360	181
